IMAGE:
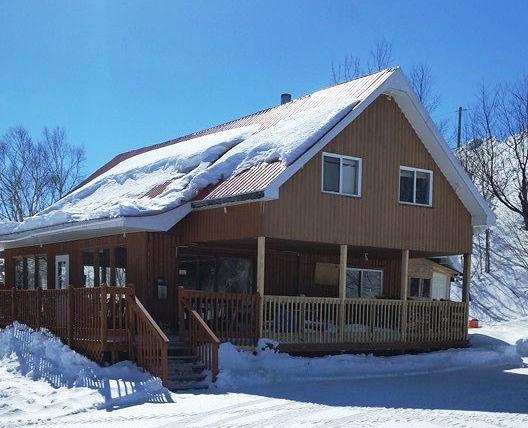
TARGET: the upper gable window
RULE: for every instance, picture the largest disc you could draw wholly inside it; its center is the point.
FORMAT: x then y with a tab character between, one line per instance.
416	186
341	174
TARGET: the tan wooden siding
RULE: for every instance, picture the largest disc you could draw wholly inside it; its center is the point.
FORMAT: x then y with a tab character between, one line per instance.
384	139
223	223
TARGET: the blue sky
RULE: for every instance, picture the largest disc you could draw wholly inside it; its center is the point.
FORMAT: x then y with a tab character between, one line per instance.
120	75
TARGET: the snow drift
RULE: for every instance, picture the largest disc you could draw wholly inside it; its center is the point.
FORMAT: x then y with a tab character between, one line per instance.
242	368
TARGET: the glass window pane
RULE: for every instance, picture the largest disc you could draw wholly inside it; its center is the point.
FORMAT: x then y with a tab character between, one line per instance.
104	267
406	185
235	275
88	269
414	289
371	284
350	177
19	273
422	187
426	288
30	271
206	273
42	272
331	174
121	266
353	279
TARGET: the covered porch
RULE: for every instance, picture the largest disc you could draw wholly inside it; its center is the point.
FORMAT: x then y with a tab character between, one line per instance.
314	298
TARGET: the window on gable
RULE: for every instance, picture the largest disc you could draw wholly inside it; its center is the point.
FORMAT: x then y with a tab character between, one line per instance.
341	174
416	186
420	288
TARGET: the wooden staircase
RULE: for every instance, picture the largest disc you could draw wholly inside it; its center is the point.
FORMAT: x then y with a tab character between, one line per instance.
186	372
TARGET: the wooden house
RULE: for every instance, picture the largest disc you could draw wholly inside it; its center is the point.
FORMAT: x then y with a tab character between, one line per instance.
314	230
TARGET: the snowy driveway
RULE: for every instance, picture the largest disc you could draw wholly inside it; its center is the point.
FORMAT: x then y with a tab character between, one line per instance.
483	396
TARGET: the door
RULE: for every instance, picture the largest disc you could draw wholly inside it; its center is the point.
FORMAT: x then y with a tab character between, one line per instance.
440	286
62	271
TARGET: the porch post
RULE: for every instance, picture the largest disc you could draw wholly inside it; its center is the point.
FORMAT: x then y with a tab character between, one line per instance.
261	258
466	280
404	284
343	255
343	259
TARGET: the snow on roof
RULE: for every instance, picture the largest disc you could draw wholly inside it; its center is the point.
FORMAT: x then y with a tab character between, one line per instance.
161	179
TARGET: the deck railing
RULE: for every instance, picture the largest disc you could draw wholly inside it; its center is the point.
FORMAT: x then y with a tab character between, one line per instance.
204	342
232	317
298	320
94	321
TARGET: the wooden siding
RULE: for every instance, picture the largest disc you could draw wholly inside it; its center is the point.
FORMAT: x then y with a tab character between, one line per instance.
384	139
222	223
136	258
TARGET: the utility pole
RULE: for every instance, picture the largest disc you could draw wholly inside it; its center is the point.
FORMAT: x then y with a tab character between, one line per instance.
459	134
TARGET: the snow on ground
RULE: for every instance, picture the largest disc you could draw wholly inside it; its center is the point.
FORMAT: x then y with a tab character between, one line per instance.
43	383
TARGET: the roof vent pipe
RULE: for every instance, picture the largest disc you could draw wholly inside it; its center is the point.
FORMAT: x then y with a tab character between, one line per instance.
285	98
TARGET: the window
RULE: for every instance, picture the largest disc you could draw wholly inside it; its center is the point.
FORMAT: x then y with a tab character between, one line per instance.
416	186
364	283
31	272
120	266
216	273
420	288
104	266
341	174
88	269
62	271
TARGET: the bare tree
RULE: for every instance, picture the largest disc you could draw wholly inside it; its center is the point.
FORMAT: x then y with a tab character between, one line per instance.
33	175
500	145
380	56
421	79
349	69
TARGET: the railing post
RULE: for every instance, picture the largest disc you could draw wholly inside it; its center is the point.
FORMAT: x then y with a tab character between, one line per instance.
71	318
403	289
214	361
13	304
39	308
261	259
104	331
181	313
131	333
343	262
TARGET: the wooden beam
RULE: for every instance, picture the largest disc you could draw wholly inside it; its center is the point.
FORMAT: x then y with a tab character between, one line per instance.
466	280
343	257
404	283
261	259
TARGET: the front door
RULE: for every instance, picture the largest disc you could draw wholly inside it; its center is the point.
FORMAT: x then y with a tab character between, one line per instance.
62	271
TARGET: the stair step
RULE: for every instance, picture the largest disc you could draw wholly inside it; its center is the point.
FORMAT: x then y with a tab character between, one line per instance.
179	366
182	358
186	377
180	386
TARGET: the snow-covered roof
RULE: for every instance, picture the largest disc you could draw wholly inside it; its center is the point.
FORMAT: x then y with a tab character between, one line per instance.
153	188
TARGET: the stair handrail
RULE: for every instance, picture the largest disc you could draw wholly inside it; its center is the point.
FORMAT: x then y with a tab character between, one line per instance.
150	343
203	340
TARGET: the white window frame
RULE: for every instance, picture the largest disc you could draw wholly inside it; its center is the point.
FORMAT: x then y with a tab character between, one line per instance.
415	170
369	270
341	157
63	258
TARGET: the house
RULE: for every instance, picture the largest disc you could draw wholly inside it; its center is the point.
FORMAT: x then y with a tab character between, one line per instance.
311	223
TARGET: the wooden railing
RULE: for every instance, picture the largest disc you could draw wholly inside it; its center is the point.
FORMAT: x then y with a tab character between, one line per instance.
297	320
94	321
204	342
232	317
150	343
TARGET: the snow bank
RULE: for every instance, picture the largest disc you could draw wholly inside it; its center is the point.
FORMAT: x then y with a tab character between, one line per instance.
179	171
242	368
40	356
